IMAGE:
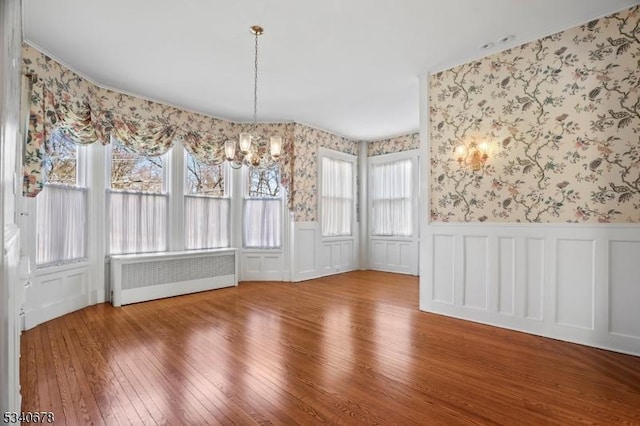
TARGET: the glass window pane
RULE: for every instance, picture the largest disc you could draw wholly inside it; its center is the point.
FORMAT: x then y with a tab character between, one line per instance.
61	225
264	182
134	172
61	162
137	222
206	222
262	223
204	179
391	199
262	219
336	192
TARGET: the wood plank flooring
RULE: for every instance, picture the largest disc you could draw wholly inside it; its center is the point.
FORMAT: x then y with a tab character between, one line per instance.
347	349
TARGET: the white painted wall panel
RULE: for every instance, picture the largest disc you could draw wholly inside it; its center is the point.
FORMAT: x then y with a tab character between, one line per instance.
313	257
624	290
261	265
407	255
579	283
325	257
346	252
272	264
306	250
535	278
55	292
475	272
443	270
378	253
393	255
575	283
336	255
252	263
506	280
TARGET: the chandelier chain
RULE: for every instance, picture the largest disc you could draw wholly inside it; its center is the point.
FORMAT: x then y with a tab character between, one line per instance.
255	85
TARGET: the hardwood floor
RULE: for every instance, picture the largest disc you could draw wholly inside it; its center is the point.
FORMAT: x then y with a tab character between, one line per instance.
347	349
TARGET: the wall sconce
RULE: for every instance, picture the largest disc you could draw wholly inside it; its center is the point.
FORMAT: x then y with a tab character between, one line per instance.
474	157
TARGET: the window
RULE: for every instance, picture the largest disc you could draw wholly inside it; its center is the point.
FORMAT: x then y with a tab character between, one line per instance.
137	202
391	198
61	165
336	195
262	224
61	207
206	205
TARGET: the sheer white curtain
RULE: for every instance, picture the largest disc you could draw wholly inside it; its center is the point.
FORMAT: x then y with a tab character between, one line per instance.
262	223
336	197
391	193
61	225
206	222
138	222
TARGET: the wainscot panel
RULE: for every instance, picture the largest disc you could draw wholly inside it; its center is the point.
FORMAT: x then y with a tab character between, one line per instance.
56	291
571	282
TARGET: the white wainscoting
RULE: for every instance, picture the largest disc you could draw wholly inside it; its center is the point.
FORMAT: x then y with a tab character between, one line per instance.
314	256
572	282
56	291
13	294
262	265
398	255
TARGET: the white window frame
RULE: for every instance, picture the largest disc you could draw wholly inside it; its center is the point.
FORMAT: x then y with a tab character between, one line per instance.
412	263
389	159
283	214
226	172
340	156
166	184
82	160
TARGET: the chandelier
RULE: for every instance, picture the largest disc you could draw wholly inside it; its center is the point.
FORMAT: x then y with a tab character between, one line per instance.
249	153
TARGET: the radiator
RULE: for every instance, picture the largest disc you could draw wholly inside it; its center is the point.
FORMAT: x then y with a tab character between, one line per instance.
141	277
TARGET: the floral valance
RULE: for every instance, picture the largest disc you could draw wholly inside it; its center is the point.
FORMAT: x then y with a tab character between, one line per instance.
205	148
51	109
33	177
148	138
71	114
63	101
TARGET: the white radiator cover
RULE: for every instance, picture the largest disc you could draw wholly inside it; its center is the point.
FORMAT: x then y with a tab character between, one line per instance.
148	276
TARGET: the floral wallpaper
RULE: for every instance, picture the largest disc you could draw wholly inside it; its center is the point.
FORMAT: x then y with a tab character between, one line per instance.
61	98
305	167
397	144
561	120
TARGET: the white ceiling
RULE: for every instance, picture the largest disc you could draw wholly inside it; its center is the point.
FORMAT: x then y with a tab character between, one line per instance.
347	66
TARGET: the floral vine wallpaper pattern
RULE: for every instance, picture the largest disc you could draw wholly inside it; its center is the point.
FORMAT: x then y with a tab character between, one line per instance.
561	117
392	145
